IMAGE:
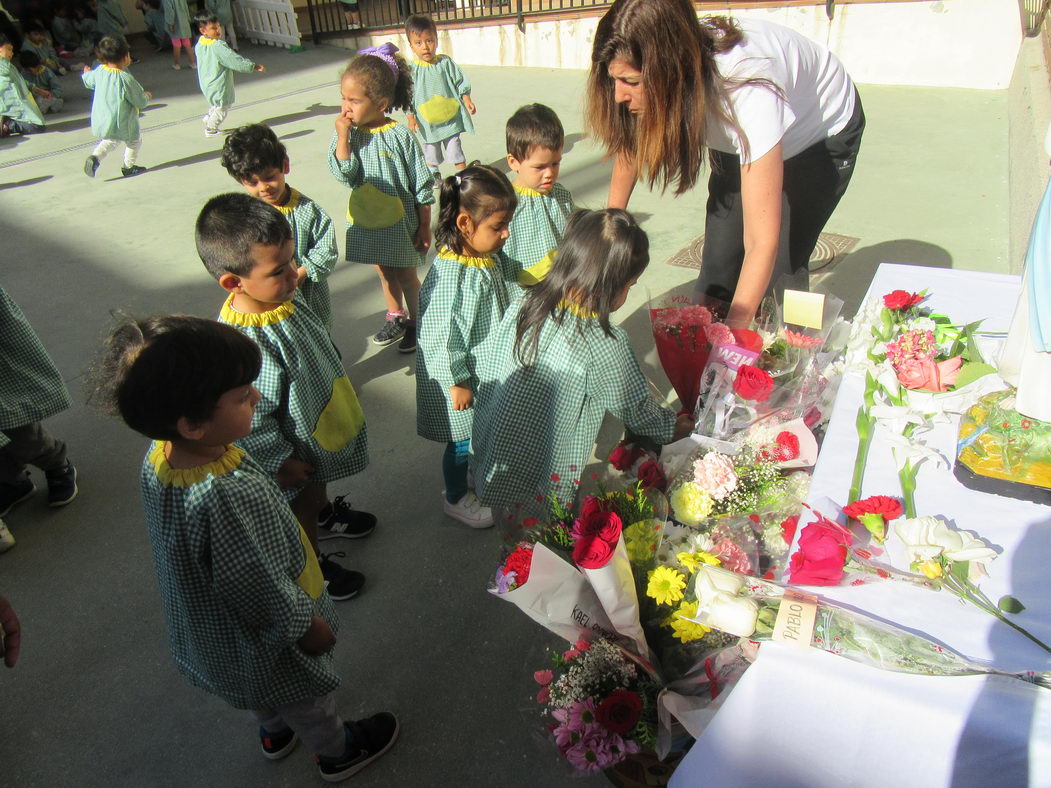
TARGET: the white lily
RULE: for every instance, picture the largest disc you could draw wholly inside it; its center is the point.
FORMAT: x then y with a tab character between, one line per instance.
896	417
930	537
907	449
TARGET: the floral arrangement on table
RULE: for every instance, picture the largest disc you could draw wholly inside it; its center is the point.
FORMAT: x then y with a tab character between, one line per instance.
751	608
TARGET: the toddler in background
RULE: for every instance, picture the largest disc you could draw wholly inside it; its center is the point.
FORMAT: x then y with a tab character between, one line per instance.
110	18
156	27
442	107
257	160
462	301
66	34
19	112
555	366
115	106
308	428
534	153
389	210
177	20
246	609
42	81
224	12
216	64
37	42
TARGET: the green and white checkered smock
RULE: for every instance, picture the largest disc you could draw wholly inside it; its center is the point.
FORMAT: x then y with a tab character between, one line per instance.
437	99
110	17
535	426
461	302
536	231
315	243
309	409
238	580
31	388
16	101
177	14
388	178
117	100
216	64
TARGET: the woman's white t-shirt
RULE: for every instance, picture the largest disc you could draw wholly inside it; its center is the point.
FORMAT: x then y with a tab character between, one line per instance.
818	98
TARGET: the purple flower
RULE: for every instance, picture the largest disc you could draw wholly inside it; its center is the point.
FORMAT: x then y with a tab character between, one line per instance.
504	581
581	714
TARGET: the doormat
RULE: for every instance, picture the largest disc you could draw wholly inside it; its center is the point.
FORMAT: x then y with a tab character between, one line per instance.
830	250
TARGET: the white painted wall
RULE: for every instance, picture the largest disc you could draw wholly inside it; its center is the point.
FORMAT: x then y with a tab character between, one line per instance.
937	43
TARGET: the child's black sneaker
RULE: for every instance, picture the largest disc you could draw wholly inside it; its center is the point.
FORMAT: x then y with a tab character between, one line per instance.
277	745
91	166
392	331
342	583
408	339
11	494
337	519
367	740
132	171
61	485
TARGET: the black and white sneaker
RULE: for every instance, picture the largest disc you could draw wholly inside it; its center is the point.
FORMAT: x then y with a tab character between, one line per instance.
392	331
338	520
367	740
342	583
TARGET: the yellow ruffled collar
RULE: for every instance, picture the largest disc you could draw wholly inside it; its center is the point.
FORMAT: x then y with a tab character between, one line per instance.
206	41
111	69
437	60
380	129
275	315
525	191
576	309
472	262
293	201
186	477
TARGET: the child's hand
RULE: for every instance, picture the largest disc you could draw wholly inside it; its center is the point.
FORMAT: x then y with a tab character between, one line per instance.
471	108
301	273
41	92
319	638
294	474
343	125
683	426
410	121
86	69
422	242
462	396
260	68
149	95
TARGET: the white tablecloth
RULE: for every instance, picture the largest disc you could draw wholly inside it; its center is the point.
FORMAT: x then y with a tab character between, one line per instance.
803	717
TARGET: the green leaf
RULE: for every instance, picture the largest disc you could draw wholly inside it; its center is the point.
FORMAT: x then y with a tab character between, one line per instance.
1009	604
971	371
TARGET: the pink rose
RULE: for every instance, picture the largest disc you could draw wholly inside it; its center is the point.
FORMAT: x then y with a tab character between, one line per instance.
821	556
925	373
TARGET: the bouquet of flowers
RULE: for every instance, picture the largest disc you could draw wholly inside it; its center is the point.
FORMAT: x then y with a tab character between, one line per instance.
761	610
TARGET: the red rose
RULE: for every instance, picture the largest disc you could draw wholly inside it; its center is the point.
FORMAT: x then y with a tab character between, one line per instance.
901	300
519	562
652	475
889	507
812	417
787	446
624	455
753	383
821	555
620	711
788	528
592	552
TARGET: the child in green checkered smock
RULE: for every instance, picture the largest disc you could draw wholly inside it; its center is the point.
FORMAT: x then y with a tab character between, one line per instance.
117	100
216	63
534	153
555	367
462	301
257	160
248	616
389	210
442	106
309	428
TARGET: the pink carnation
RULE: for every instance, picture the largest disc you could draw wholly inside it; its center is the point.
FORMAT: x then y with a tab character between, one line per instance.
715	474
733	557
720	334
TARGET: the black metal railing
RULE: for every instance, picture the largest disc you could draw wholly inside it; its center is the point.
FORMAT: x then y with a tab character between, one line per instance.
327	18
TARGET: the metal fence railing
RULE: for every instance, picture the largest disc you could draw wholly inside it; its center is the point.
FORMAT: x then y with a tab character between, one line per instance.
1033	14
326	16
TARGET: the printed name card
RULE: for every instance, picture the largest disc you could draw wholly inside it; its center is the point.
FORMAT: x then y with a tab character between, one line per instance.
733	356
804	309
795	619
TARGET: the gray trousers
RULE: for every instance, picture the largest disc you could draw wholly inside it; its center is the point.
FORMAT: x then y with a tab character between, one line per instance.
30	445
314	720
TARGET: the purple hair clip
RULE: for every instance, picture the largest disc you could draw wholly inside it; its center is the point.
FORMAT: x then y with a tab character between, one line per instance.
384	53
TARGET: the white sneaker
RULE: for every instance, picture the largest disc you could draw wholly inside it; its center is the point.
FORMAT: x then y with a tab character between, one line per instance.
469	511
7	541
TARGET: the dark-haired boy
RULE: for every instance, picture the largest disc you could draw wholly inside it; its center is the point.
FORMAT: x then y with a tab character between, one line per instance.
42	81
308	428
534	153
216	63
39	44
257	160
19	113
118	99
441	98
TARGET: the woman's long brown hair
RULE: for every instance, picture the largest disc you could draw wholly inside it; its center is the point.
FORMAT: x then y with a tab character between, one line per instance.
675	53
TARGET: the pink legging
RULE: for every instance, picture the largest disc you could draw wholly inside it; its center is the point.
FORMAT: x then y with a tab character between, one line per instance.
177	42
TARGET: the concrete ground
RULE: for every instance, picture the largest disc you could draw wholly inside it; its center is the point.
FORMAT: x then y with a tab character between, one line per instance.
95	699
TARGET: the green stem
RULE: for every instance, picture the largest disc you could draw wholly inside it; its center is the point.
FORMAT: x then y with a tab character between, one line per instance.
907	478
865	425
962	591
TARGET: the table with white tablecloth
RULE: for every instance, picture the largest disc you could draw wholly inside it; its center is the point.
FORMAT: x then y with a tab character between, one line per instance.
805	717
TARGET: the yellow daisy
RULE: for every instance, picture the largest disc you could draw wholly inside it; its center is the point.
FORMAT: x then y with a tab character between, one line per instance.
666	585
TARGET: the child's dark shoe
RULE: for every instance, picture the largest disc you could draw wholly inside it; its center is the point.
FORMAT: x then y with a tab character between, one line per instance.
408	339
276	746
61	485
342	583
338	520
367	740
91	166
11	494
132	171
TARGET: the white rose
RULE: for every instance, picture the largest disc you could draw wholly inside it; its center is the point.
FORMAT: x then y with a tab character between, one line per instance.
735	615
711	581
